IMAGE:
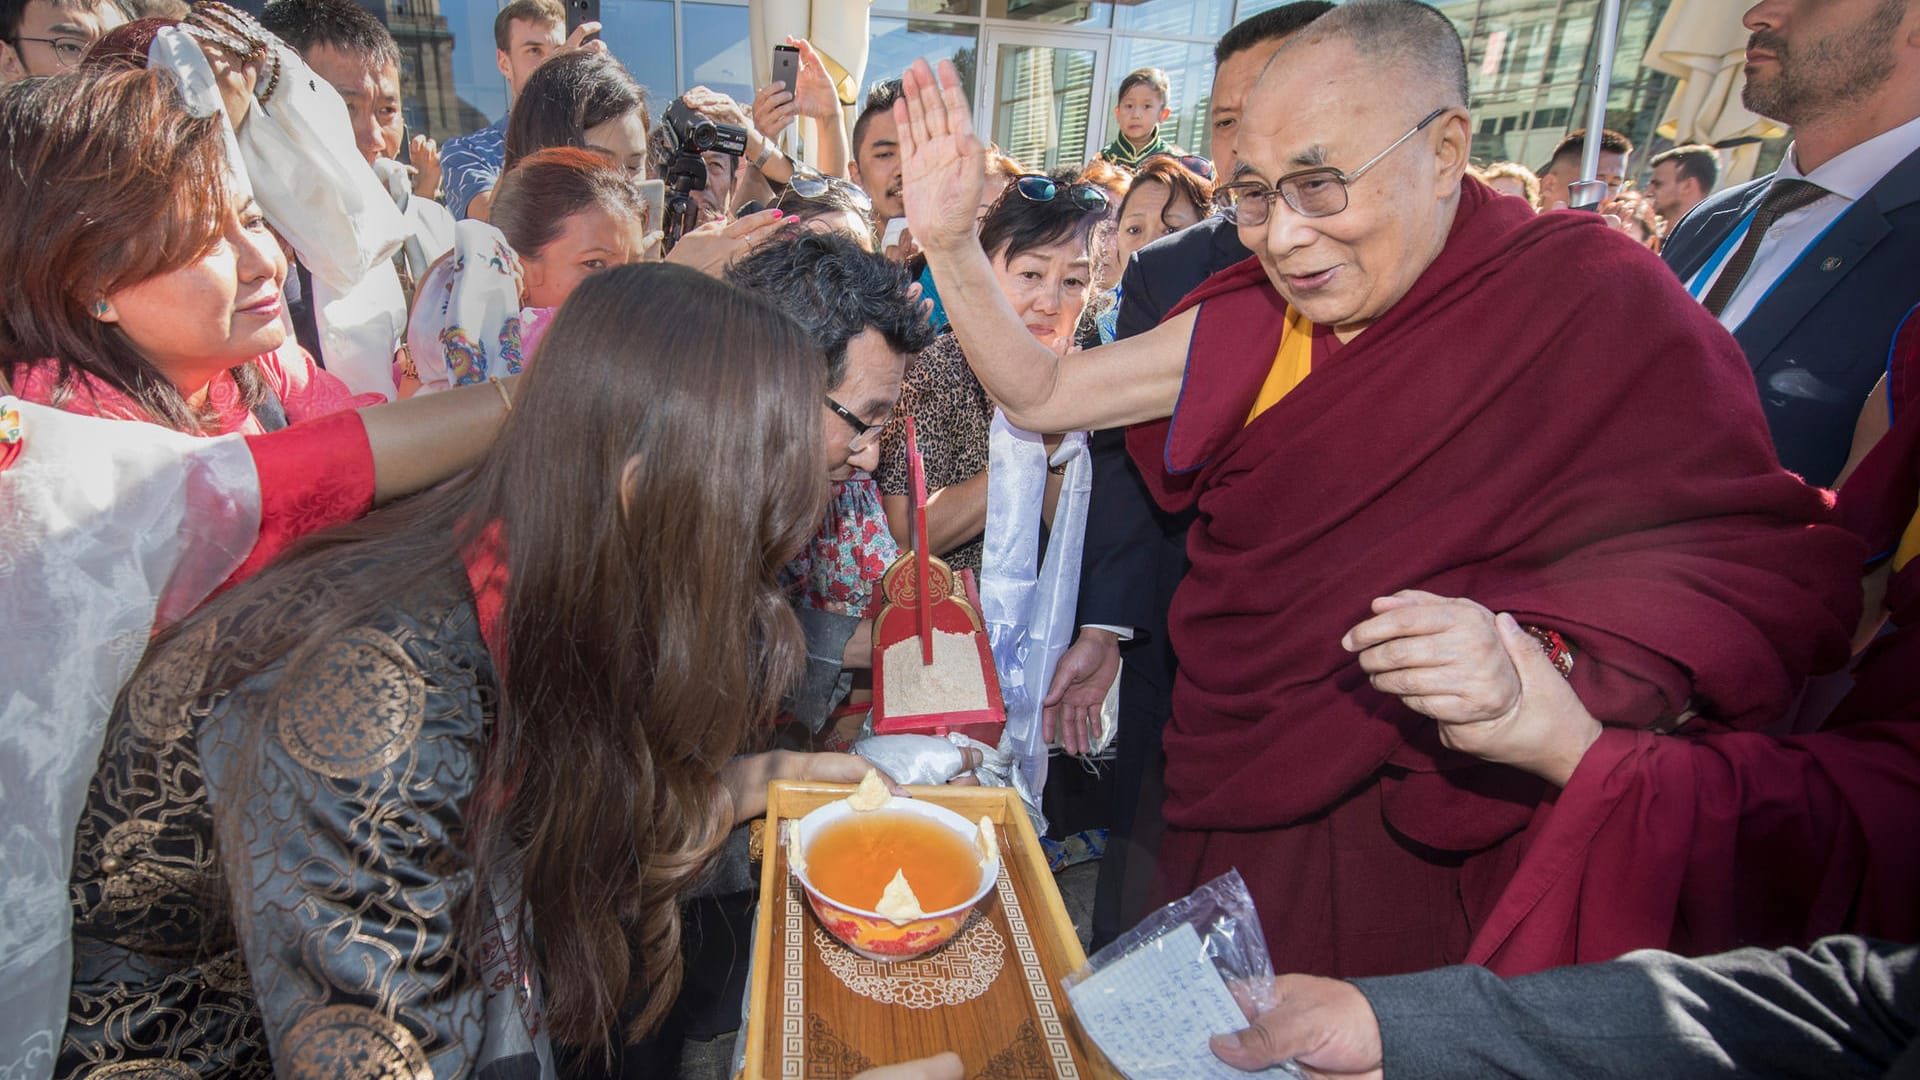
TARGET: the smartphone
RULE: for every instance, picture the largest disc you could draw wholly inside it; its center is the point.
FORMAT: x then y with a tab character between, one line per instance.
895	226
786	66
655	193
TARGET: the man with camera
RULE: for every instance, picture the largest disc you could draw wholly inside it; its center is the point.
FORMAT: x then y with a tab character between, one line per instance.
716	159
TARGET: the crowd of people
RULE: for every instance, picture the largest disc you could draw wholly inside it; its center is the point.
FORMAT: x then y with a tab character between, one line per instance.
420	557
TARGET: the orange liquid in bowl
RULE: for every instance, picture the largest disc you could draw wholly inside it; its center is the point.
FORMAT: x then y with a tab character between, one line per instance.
853	859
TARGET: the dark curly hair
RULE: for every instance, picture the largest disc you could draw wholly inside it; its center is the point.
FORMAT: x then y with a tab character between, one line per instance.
835	291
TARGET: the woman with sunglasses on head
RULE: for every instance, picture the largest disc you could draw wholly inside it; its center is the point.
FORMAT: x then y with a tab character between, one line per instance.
1039	239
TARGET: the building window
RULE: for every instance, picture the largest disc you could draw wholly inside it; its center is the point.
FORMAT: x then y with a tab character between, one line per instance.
897	43
640	34
714	52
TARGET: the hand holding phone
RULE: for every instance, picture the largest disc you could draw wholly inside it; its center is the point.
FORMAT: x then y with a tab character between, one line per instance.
786	66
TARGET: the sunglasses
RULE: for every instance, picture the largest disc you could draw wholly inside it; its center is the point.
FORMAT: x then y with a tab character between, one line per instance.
1193	163
809	183
1043	189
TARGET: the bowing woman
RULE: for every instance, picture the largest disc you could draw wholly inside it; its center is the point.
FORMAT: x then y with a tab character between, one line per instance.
424	795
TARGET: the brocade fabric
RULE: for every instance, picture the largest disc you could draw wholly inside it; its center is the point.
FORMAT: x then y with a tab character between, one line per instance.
272	879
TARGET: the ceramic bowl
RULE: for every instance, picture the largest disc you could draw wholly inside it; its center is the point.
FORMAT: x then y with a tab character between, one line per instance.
873	935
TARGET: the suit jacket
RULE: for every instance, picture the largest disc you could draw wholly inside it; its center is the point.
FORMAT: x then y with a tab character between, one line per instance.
1135	553
1844	1007
1818	342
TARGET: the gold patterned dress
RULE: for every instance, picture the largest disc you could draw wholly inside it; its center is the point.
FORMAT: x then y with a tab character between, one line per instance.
345	944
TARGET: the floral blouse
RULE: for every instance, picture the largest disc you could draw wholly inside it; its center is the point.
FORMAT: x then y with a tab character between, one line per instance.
840	569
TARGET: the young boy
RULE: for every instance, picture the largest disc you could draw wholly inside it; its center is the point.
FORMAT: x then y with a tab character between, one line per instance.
1141	109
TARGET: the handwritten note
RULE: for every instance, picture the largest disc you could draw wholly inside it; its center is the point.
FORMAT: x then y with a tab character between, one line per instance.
1152	1010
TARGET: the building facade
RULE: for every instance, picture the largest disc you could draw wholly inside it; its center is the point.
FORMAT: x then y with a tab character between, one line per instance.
1042	72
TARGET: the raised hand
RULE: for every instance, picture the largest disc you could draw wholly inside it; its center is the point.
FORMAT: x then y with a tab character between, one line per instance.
425	155
773	109
578	39
816	95
943	164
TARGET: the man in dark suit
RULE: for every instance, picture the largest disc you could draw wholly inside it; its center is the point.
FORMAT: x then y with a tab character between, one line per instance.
1813	267
1844	1007
1135	554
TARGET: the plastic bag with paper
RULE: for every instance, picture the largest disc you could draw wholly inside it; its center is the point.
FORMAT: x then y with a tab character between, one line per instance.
1152	998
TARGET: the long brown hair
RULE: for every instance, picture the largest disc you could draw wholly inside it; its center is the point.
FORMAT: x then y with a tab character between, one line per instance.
106	180
661	462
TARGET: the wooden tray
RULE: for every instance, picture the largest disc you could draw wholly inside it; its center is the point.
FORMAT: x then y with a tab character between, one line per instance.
992	995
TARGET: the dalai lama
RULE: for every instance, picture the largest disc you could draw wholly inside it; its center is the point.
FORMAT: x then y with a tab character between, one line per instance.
1416	391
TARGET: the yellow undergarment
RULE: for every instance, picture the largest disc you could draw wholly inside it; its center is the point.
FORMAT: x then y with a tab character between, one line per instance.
1909	545
1290	364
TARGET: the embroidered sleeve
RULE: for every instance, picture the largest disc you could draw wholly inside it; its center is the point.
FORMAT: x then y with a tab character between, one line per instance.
338	798
312	476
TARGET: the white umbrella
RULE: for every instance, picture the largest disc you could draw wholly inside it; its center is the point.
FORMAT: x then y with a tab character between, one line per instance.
1703	44
838	30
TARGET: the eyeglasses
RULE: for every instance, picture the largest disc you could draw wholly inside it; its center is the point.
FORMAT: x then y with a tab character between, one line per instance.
809	183
67	51
863	433
1314	193
1193	163
1038	188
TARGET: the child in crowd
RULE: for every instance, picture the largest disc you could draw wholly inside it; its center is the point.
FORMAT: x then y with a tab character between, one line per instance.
1139	111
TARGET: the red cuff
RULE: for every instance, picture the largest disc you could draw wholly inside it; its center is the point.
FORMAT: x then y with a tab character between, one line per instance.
313	475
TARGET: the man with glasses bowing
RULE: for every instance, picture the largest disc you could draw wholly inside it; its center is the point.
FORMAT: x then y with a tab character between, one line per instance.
1410	409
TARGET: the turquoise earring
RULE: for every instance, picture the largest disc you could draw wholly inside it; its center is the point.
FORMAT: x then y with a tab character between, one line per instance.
100	309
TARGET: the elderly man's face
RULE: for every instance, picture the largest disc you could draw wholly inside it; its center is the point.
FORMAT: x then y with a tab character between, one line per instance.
1325	107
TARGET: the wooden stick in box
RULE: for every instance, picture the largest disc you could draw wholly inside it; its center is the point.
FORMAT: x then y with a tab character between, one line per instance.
922	564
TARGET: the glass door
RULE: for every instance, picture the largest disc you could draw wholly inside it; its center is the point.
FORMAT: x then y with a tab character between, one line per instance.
1042	95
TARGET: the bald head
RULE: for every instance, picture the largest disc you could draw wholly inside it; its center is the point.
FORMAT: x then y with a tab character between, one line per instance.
1370	97
1415	42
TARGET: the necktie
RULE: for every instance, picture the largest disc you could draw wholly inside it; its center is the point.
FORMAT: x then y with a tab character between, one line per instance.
1782	197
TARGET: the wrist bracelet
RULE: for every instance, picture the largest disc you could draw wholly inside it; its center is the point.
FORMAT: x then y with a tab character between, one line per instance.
1558	651
765	156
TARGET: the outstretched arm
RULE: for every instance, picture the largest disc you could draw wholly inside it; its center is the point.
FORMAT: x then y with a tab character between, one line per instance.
943	168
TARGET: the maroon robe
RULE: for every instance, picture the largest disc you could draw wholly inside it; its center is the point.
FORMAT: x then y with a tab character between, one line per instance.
1704	844
1547	424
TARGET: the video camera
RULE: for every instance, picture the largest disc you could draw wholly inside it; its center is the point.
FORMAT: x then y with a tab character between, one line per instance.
691	135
